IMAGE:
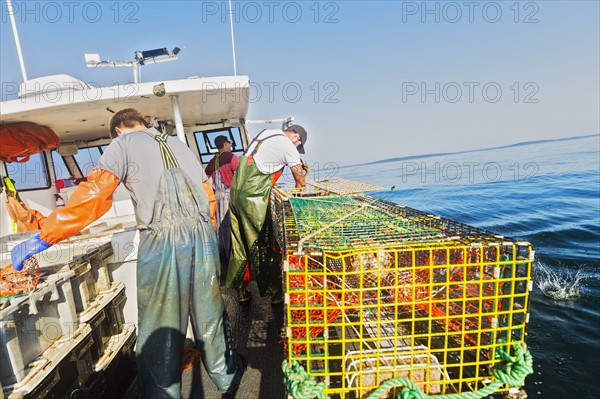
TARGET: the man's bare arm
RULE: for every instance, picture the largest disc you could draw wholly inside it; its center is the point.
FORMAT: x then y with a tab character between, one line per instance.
298	174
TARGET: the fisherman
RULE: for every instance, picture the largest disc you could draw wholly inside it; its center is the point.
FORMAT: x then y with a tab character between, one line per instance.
23	218
177	255
252	239
221	169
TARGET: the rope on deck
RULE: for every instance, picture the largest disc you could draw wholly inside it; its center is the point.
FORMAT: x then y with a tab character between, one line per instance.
299	384
513	372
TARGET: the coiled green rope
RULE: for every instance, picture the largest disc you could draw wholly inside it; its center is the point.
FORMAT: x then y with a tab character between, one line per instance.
513	372
299	384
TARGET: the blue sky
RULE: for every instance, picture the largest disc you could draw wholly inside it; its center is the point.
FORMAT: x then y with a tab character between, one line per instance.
368	79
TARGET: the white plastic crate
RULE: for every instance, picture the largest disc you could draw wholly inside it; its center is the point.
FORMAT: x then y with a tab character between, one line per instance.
117	343
44	373
87	283
117	365
91	276
32	323
105	317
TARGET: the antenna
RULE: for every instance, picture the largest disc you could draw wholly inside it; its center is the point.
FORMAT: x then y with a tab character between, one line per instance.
141	58
232	38
11	12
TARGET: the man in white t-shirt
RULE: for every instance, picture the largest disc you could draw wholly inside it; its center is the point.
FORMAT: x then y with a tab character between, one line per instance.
252	239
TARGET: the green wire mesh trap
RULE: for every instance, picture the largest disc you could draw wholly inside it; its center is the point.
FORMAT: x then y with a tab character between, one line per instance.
360	221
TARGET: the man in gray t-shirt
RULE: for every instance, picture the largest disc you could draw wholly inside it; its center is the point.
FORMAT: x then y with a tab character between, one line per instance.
178	260
135	159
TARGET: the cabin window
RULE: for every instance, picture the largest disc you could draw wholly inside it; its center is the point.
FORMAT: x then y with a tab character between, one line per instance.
87	159
61	170
30	175
205	141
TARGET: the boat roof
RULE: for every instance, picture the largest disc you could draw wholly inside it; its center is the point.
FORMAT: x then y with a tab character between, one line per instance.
84	114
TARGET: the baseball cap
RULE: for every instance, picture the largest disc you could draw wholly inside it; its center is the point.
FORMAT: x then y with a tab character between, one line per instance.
302	133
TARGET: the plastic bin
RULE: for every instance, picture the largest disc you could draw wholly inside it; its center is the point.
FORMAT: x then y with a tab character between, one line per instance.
119	347
105	317
117	366
91	275
31	324
61	369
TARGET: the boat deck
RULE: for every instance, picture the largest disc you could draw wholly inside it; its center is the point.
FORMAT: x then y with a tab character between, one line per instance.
257	336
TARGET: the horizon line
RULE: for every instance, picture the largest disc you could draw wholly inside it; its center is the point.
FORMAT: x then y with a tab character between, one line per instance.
518	144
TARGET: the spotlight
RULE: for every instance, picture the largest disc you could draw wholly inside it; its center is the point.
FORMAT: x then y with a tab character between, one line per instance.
159	90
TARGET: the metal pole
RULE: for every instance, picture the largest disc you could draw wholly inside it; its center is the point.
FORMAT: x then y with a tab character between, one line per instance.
232	38
17	42
136	72
177	117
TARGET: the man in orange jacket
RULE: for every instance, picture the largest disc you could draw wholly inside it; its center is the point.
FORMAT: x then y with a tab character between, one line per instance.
177	267
24	219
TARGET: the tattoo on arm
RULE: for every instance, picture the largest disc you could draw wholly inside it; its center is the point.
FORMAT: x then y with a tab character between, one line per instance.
298	173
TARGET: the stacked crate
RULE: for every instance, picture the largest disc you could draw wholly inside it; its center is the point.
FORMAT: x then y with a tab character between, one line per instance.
376	291
37	326
63	336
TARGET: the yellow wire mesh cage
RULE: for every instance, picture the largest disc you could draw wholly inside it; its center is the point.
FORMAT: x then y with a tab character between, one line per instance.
376	291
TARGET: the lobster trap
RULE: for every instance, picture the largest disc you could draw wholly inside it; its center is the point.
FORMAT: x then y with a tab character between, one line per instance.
376	291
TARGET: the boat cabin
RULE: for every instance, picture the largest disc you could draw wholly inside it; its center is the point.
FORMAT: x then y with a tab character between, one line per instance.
196	110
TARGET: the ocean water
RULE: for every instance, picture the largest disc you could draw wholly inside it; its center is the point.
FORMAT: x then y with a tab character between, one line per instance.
547	193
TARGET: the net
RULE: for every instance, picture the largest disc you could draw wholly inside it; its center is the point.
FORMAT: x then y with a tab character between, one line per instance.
15	283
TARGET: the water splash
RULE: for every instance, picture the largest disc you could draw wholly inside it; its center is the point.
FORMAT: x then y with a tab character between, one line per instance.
561	285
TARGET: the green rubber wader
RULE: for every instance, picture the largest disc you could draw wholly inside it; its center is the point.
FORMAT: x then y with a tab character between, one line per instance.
252	238
178	278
